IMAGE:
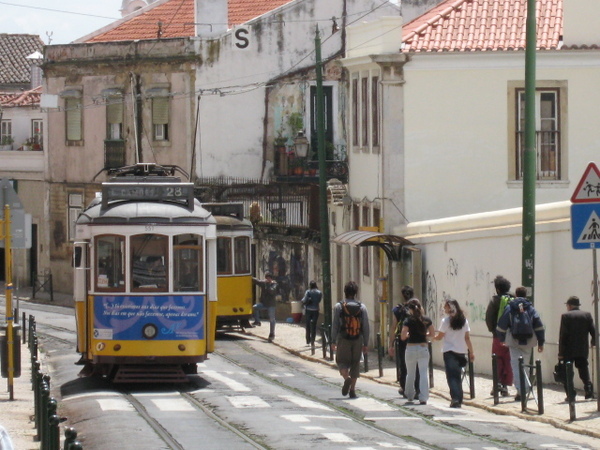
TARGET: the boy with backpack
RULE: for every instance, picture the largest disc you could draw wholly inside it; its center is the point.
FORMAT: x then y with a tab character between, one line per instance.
350	337
519	328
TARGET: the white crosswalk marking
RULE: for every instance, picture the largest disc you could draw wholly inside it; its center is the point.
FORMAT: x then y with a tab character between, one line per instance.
338	437
304	403
115	404
370	405
248	401
281	375
232	384
403	446
172	404
298	418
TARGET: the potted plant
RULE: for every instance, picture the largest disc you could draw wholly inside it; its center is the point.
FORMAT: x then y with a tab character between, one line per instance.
280	143
6	142
28	144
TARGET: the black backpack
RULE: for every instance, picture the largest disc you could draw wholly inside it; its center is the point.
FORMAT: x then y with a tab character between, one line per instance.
351	316
520	323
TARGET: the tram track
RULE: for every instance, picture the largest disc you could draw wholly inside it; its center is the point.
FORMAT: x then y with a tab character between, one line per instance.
437	425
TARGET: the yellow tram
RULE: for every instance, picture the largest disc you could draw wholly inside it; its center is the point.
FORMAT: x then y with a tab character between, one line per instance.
234	268
145	278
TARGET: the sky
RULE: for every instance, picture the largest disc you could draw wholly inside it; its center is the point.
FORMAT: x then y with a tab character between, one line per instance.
66	20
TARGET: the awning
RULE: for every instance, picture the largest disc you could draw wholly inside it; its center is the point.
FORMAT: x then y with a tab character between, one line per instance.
390	243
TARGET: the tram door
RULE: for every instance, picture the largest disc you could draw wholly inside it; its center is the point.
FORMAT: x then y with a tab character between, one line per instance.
80	293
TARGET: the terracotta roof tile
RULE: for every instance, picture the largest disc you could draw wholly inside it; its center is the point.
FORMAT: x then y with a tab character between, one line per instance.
482	25
27	98
177	17
14	50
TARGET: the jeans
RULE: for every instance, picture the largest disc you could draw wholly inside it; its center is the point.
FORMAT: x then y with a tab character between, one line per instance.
312	316
271	309
515	352
417	356
454	375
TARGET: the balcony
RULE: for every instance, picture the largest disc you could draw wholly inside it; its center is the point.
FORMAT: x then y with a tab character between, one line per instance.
290	168
21	160
114	153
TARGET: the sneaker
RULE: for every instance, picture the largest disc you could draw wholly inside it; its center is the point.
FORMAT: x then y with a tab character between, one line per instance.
454	404
518	397
504	391
589	395
346	386
353	394
256	324
422	402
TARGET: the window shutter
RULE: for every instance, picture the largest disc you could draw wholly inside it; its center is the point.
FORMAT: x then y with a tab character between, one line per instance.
160	111
73	118
114	111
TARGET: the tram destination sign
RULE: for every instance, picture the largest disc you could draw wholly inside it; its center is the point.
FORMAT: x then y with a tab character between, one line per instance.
170	192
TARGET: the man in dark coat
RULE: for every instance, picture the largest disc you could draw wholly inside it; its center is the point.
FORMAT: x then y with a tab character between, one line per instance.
575	325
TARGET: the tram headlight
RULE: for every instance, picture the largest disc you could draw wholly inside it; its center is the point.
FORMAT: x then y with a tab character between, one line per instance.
149	331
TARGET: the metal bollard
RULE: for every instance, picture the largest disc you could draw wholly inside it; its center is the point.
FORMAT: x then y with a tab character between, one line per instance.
380	354
471	376
570	390
522	387
23	328
398	353
495	380
429	348
43	416
70	438
52	435
540	387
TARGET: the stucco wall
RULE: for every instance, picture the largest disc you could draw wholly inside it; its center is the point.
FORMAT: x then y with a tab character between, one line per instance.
462	255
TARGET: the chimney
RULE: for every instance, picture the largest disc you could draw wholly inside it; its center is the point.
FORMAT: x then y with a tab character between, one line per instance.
211	18
579	26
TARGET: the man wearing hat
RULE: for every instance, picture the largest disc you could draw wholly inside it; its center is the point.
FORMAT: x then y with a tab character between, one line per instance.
575	325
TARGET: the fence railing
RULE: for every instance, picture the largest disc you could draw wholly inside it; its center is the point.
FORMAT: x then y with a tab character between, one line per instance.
47	420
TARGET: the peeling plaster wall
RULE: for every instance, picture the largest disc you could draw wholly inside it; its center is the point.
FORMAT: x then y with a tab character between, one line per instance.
462	256
235	80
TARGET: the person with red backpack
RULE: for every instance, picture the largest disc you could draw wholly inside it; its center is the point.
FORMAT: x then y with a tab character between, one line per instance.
350	337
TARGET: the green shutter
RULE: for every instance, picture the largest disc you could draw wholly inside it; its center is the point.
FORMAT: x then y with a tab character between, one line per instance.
73	118
160	110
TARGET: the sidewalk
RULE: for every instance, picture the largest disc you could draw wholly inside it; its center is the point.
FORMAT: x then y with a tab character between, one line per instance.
291	337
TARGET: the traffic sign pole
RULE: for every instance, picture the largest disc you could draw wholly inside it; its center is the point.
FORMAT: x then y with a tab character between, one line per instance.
9	312
585	229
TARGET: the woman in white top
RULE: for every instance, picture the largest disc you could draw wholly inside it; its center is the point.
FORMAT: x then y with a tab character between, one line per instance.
454	330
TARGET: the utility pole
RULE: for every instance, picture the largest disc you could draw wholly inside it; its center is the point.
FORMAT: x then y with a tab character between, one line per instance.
325	256
529	156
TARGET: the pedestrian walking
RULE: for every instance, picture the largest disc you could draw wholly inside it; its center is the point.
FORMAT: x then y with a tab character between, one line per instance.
350	337
311	301
494	311
456	348
400	312
416	330
519	328
575	326
267	300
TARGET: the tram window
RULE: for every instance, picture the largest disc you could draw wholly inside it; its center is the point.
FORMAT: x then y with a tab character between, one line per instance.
187	263
149	262
224	256
110	273
241	254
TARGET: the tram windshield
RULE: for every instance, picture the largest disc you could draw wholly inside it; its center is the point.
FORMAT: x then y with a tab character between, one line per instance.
224	263
241	255
110	263
149	262
187	263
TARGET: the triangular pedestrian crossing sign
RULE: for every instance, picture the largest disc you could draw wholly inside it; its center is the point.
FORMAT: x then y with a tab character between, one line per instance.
591	230
588	189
